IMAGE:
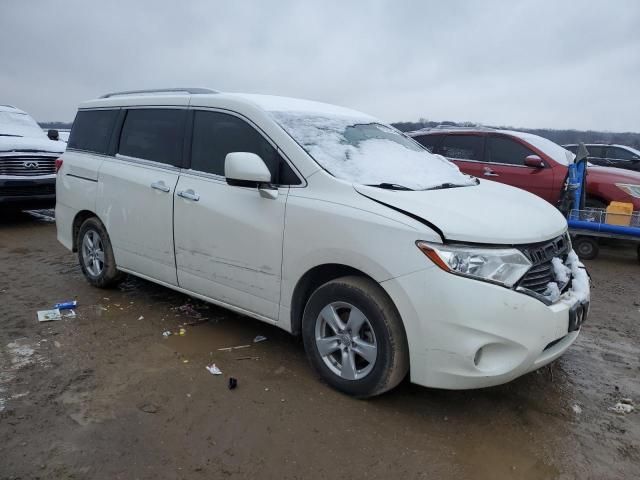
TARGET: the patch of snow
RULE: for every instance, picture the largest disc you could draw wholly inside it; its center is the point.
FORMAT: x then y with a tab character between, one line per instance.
555	151
580	284
20	353
622	408
362	150
20	124
561	272
552	292
577	409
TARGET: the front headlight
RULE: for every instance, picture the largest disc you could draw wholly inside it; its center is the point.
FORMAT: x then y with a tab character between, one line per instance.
633	190
505	266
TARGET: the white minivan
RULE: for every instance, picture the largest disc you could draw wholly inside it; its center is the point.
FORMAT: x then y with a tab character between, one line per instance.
327	223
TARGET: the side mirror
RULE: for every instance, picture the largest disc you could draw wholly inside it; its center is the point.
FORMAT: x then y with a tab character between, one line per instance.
53	134
534	161
245	169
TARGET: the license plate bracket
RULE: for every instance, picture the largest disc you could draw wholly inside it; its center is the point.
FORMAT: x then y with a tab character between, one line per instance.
578	315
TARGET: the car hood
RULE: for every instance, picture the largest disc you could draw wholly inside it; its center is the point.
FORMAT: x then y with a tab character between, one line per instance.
612	175
31	144
489	213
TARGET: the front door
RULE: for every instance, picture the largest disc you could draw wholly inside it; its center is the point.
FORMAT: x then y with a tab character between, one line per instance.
228	239
504	159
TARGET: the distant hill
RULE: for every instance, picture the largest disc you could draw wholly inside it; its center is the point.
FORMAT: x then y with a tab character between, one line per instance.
559	136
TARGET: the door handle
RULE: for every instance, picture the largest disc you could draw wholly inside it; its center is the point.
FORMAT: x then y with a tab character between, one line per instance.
160	186
490	173
189	195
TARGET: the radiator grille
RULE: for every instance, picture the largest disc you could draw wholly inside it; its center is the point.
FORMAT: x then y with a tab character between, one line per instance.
27	165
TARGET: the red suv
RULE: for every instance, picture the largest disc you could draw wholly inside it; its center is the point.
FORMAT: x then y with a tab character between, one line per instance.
527	161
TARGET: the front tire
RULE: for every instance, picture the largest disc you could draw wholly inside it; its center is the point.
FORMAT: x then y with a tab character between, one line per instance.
96	255
354	337
587	248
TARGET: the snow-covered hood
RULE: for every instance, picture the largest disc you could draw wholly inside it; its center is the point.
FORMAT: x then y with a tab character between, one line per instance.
489	213
27	144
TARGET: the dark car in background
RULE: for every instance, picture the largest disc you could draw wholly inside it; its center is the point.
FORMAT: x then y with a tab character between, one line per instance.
608	155
27	162
527	161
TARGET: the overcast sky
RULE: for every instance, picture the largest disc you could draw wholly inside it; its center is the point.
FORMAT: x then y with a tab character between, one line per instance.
572	64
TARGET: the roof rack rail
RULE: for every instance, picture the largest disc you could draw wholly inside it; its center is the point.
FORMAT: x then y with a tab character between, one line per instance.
191	91
461	127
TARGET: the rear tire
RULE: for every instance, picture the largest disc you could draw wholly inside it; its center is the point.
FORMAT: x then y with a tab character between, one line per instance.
354	337
587	248
95	255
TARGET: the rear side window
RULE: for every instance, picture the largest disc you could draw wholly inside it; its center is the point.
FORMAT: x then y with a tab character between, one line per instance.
429	141
155	134
596	151
463	147
619	153
91	130
574	148
506	150
217	134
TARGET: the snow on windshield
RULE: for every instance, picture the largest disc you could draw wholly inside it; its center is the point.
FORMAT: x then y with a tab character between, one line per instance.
19	125
360	150
555	151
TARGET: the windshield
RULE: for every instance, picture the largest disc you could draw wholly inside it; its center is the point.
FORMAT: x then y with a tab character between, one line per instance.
363	151
16	124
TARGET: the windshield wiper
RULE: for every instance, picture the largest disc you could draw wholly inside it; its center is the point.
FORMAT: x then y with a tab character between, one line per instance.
391	186
442	186
9	135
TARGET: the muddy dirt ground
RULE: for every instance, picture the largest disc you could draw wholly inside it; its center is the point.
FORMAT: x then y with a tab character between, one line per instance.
105	395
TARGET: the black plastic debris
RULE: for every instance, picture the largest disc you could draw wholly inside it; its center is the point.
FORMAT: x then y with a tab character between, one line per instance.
233	383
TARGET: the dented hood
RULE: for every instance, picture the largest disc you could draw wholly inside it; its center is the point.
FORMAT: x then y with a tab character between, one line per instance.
486	213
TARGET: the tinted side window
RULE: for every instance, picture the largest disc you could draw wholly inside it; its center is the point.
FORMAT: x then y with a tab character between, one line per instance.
429	141
217	134
463	147
595	151
506	150
574	148
153	134
619	153
91	130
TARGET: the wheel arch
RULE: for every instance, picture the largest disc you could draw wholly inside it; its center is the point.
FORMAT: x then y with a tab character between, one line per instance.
314	278
78	220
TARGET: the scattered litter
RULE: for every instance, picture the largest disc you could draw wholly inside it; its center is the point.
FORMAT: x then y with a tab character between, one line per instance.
49	315
182	332
624	406
266	389
66	305
259	339
282	399
248	358
69	314
140	317
185	361
577	409
188	395
166	333
228	349
148	408
213	369
233	383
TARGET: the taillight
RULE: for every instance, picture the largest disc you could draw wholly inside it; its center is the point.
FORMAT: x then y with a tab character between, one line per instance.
58	164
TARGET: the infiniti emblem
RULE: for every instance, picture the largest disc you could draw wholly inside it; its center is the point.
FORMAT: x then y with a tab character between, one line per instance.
30	164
